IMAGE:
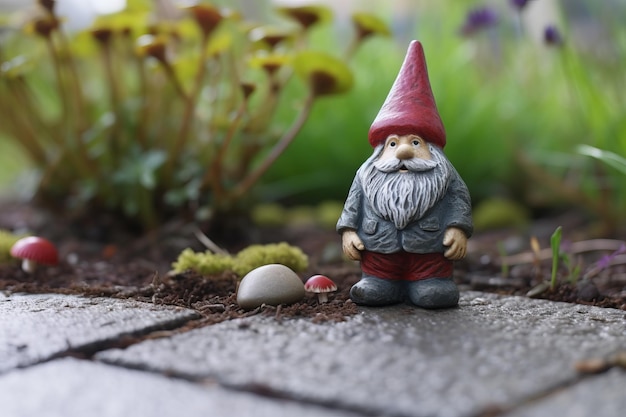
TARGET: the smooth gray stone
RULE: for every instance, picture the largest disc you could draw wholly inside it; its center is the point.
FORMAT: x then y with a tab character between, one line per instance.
601	395
36	327
490	352
73	388
271	284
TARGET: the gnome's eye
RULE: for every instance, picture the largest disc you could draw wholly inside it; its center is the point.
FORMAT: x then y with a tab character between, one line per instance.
392	144
416	142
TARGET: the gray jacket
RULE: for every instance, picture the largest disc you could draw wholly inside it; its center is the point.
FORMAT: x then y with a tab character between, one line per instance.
424	235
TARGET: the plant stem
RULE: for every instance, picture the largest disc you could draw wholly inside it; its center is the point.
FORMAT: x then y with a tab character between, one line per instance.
79	103
245	185
504	267
356	41
115	136
81	160
555	244
189	111
147	212
171	75
214	174
65	107
144	104
25	103
23	133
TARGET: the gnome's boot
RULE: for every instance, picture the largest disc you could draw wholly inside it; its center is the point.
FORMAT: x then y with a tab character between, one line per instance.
372	291
434	293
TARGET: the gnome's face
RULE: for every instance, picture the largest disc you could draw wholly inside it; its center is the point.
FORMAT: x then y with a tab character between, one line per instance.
405	153
404	178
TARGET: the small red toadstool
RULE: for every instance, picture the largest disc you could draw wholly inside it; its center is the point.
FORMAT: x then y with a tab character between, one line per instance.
34	250
320	285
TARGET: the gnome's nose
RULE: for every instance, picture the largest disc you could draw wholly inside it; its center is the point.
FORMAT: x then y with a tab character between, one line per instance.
404	151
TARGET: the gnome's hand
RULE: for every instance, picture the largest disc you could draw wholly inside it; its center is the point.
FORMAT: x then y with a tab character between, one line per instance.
456	241
352	244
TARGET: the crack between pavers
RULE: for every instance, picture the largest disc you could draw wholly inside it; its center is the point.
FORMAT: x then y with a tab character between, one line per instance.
267	391
88	350
499	410
256	389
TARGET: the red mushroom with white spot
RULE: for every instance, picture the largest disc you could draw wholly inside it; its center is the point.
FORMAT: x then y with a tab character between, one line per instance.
35	250
320	285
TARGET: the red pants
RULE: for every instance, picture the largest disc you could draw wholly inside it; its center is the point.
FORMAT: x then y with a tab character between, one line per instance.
406	266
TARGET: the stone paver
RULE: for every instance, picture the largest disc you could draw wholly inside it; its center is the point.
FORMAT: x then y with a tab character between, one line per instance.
35	327
73	388
490	352
596	396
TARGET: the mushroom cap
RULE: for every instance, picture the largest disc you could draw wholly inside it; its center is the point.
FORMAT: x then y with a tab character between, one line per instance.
320	283
36	249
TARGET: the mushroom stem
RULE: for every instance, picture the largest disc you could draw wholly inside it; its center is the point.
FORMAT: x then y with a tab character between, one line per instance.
28	266
322	297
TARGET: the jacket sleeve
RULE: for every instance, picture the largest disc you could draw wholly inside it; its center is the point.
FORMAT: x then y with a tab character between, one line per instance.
351	214
459	205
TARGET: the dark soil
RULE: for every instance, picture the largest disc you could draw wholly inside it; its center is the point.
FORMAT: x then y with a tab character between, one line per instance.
99	259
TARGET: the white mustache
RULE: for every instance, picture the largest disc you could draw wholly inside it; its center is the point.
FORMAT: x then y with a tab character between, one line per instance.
413	164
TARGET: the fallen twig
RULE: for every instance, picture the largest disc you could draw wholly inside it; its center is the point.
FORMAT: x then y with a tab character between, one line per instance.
583	246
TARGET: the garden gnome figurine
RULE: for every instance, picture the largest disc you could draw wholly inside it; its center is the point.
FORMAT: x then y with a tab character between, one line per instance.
407	216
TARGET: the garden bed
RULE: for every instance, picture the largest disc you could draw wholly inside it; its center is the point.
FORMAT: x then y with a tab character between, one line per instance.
107	261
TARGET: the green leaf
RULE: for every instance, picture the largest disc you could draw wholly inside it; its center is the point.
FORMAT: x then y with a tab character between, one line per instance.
555	244
269	62
148	166
307	16
133	21
140	169
368	25
220	42
612	159
15	67
325	74
269	36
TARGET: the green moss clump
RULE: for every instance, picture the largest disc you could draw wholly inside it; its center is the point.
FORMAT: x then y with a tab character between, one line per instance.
324	215
301	216
328	212
269	215
7	240
276	253
498	213
207	263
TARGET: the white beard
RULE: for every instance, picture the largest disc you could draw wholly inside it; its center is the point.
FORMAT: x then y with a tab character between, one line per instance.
403	197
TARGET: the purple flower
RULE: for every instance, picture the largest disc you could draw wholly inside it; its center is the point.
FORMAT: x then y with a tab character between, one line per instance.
519	4
478	19
604	262
552	36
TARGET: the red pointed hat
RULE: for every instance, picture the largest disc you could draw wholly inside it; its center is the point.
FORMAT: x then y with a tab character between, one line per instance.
410	106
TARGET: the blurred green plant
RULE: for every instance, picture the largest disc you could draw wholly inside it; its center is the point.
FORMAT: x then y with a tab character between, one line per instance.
587	120
7	240
151	120
254	256
323	215
555	245
559	257
498	213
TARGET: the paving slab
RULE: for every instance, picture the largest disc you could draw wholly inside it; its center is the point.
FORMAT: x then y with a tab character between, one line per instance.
601	395
490	353
75	388
35	327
